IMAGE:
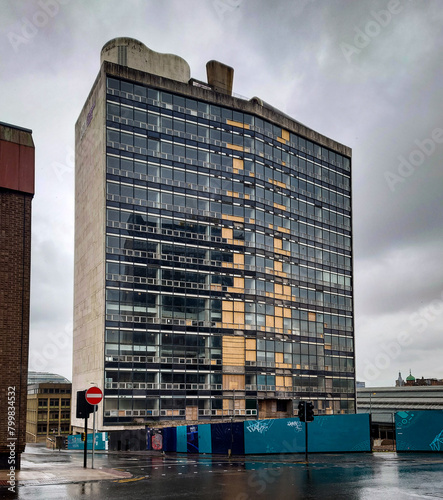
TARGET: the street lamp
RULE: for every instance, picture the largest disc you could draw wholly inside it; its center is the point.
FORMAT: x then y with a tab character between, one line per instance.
370	401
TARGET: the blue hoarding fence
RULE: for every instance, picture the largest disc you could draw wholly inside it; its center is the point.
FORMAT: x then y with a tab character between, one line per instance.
328	434
101	441
419	430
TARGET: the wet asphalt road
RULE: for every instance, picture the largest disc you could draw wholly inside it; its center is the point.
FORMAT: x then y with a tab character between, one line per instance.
386	476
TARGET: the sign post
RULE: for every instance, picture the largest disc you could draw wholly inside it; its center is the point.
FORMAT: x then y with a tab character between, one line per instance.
93	436
93	396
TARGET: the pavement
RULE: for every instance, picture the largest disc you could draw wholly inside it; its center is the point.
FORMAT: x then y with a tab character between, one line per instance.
51	468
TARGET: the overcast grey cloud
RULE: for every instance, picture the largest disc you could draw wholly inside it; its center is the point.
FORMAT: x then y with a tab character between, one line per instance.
367	74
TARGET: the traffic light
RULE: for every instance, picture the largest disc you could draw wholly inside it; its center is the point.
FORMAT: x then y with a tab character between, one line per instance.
84	409
83	436
309	411
301	411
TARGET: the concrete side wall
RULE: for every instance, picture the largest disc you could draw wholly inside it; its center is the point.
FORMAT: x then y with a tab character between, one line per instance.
132	53
16	135
89	258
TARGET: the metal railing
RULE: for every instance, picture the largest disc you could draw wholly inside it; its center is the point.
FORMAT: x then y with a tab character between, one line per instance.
162	360
163	386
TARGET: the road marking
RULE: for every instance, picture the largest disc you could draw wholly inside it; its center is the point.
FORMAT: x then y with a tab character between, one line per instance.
130	480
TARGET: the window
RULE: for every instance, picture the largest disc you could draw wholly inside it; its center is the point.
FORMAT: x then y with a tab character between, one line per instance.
282	405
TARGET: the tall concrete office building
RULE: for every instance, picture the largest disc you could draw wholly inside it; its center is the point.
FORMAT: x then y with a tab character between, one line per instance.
16	193
213	250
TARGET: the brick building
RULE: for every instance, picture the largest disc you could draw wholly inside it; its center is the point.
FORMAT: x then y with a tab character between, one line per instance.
16	192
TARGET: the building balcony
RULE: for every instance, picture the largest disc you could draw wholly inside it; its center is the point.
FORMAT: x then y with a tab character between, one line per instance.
163	359
179	413
163	387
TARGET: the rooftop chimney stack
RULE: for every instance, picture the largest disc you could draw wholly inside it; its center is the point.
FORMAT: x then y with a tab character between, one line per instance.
220	77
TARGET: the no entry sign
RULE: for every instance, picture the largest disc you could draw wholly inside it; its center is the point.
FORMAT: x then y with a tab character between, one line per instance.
94	395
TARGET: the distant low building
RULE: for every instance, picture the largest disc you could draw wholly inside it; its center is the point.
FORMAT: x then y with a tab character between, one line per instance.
39	377
412	381
49	410
428	381
383	402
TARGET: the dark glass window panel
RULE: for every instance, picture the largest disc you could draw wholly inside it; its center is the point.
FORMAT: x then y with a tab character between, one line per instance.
226	137
140	168
113	162
202	107
140	141
112	83
215	182
153	195
140	91
179	175
113	109
215	134
166	147
126	112
226	209
191	128
127	139
127	165
166	198
113	188
191	104
226	114
140	193
166	98
153	119
127	191
113	135
140	115
179	150
166	122
203	131
153	94
154	170
191	153
179	200
179	125
113	215
191	202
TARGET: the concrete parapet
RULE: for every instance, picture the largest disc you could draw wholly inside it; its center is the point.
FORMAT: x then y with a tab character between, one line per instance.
134	54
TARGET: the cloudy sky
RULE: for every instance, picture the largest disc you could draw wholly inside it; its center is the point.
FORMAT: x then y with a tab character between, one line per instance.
367	74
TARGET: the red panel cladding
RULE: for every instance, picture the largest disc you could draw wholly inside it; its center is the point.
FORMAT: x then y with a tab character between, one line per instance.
26	176
16	167
9	161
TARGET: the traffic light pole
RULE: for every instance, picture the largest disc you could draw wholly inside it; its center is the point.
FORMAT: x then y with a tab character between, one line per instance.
306	414
306	437
86	443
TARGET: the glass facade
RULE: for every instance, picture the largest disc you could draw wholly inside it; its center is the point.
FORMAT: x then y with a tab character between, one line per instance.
228	263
